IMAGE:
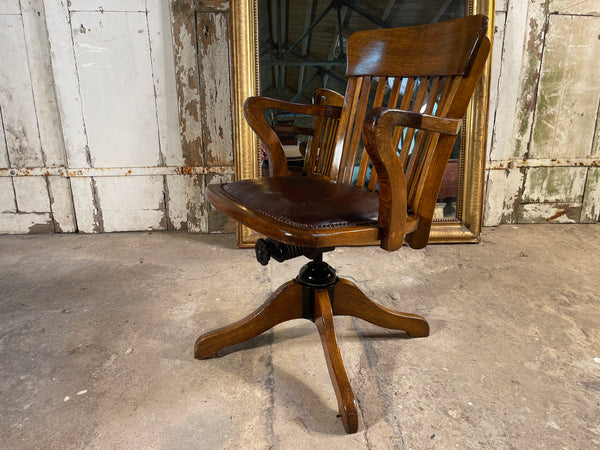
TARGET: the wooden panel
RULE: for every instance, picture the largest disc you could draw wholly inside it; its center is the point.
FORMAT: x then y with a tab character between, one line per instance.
7	196
197	217
215	95
3	149
88	214
131	203
554	184
580	7
569	91
42	82
26	223
549	213
16	98
10	7
176	197
508	60
113	62
31	194
216	220
107	5
590	211
61	203
186	71
503	187
163	70
66	84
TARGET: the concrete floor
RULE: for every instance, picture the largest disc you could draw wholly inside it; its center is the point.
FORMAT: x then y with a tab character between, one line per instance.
97	332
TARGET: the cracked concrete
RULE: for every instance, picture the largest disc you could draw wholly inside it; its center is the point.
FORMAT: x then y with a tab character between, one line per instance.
97	335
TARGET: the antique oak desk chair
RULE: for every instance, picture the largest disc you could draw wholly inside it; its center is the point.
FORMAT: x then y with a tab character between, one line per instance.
407	93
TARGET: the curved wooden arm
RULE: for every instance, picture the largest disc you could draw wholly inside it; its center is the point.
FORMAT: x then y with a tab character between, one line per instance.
254	109
377	133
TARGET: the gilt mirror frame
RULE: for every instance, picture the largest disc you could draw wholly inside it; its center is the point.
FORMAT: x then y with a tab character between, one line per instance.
244	52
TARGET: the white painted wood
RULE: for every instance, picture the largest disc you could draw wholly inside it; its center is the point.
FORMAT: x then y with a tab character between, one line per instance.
61	203
213	63
10	7
502	196
569	92
499	21
66	83
508	91
113	62
163	69
136	220
42	81
108	5
88	217
579	7
16	98
7	196
31	194
25	223
549	213
3	149
554	184
197	209
131	203
501	5
176	197
590	211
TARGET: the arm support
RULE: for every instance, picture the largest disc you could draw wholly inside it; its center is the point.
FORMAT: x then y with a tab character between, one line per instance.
377	133
254	109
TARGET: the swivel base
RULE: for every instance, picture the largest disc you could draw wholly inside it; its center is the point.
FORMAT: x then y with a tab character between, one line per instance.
318	295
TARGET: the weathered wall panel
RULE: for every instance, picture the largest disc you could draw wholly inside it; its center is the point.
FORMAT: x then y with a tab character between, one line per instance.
61	204
186	72
548	132
7	196
113	62
10	7
554	184
66	84
107	5
3	150
42	83
16	97
549	213
581	7
131	203
163	71
569	91
215	93
590	211
31	194
85	201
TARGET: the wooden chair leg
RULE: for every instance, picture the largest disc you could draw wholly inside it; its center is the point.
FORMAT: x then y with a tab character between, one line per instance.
349	300
283	305
343	391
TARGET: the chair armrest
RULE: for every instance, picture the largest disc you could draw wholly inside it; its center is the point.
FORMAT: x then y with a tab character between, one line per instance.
377	134
254	109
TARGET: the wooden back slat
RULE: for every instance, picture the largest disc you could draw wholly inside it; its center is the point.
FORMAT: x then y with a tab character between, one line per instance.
448	47
436	84
356	136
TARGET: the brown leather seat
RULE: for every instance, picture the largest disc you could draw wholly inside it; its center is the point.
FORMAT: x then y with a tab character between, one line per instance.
300	204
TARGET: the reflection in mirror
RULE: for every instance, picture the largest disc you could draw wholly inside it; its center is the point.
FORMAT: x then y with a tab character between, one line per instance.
302	49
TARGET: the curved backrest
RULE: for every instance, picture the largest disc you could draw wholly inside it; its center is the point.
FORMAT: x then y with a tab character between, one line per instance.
431	69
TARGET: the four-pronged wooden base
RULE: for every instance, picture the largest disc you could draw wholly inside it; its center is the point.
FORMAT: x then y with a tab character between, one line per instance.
289	302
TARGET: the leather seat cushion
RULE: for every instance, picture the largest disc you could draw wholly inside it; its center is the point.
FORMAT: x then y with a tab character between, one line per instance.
305	202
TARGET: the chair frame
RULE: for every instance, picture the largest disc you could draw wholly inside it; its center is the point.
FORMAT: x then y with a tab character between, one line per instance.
406	200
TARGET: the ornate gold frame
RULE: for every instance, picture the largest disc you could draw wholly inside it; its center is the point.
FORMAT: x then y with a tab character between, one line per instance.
471	191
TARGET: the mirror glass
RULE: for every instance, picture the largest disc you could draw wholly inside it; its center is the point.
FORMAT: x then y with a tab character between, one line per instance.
302	47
